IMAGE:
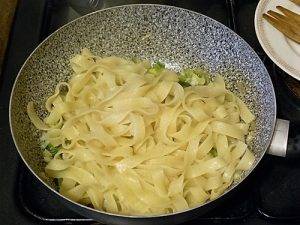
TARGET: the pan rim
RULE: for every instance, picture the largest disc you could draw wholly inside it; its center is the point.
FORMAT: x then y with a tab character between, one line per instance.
149	216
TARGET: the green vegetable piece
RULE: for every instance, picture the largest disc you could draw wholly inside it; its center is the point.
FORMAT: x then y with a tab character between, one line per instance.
193	77
184	84
53	150
156	68
213	152
159	66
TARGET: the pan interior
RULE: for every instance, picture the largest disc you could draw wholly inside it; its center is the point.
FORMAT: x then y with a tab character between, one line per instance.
177	37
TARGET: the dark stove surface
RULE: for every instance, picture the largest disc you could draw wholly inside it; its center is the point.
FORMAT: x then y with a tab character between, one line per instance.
271	195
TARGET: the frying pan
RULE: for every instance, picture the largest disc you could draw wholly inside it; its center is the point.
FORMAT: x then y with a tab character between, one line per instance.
177	37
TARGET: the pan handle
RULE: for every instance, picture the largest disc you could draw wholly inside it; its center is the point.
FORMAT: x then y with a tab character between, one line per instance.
279	143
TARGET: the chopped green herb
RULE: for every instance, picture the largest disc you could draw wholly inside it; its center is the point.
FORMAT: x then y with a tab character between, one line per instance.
53	150
193	77
156	68
213	152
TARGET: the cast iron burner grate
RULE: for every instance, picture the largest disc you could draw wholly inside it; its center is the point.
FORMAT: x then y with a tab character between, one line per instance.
271	194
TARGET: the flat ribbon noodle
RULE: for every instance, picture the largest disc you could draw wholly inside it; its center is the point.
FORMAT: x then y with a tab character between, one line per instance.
129	141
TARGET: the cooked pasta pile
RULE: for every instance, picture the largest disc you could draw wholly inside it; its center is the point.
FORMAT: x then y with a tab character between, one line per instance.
128	138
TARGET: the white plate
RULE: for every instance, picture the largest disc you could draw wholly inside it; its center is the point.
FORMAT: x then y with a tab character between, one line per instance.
283	51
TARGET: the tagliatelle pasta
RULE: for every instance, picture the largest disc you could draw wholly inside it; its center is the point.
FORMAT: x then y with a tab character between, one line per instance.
128	138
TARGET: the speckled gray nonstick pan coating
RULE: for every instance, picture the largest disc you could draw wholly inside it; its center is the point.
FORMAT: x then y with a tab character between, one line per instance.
177	37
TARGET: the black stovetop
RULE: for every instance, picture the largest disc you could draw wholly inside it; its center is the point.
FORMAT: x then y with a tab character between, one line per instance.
271	195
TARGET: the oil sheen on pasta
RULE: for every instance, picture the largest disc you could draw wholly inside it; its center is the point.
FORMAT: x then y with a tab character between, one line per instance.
132	140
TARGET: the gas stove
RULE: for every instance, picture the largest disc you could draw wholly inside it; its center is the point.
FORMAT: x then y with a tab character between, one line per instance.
270	195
